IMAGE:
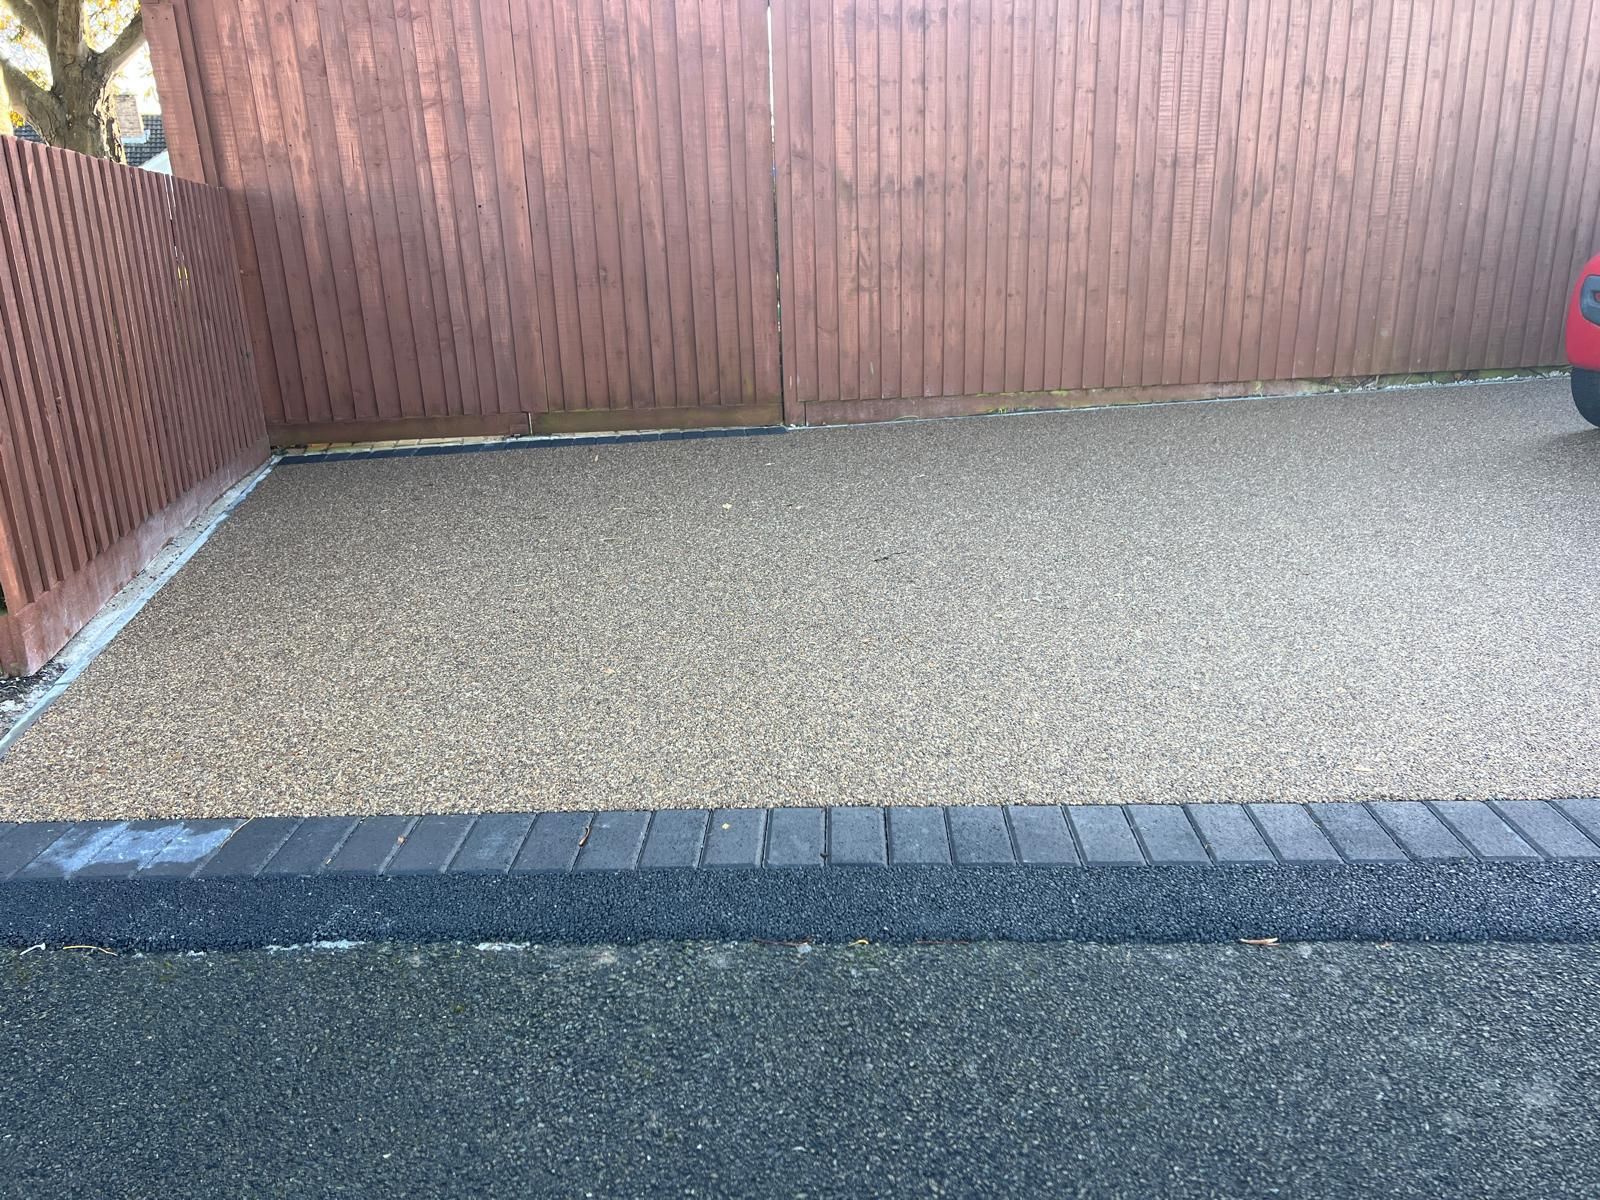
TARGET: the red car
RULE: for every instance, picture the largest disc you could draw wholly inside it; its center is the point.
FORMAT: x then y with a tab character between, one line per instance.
1583	342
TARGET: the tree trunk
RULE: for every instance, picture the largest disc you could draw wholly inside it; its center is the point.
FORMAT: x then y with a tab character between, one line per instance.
88	124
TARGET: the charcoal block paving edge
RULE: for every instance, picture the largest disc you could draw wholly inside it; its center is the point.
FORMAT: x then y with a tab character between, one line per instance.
1084	872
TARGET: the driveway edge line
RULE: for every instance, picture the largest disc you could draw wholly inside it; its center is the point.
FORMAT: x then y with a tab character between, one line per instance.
198	884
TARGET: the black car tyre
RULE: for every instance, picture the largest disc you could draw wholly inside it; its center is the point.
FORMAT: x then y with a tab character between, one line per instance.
1586	394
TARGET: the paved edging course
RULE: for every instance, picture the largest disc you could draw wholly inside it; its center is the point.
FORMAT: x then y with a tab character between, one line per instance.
1453	870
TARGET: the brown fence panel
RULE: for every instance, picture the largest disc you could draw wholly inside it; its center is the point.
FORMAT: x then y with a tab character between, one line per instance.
990	204
474	216
128	401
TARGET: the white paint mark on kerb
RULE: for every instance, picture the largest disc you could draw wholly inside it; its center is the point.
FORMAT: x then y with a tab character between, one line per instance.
122	843
190	846
94	637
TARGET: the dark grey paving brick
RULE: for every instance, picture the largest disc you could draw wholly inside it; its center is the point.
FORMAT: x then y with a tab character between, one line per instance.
184	854
1293	834
1544	827
431	845
249	848
1230	835
736	837
1168	837
675	839
308	849
70	852
1041	834
918	836
978	834
1104	835
1420	833
1357	834
1475	823
493	844
795	837
554	843
371	845
857	837
1585	814
23	843
122	852
615	839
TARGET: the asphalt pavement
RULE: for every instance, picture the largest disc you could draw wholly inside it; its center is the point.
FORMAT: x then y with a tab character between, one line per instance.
1386	595
695	1069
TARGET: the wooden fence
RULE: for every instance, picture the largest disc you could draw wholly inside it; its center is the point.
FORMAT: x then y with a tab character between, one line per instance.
481	215
1030	197
128	400
489	215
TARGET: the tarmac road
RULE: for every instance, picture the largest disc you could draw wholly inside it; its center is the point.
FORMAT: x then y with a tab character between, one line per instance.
1310	1070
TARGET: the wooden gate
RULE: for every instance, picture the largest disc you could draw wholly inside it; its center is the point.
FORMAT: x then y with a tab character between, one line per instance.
479	216
1031	203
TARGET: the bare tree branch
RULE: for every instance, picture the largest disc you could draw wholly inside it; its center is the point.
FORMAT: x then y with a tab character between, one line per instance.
125	45
28	96
36	20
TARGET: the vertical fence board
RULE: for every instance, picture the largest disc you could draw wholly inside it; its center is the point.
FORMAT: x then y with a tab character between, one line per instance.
477	121
760	201
1000	18
1036	180
891	76
543	295
913	229
420	52
846	74
974	198
624	120
957	49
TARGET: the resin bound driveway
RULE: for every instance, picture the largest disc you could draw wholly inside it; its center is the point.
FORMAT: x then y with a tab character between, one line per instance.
1388	595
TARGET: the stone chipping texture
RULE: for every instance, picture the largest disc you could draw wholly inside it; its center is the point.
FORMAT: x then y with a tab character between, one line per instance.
1381	595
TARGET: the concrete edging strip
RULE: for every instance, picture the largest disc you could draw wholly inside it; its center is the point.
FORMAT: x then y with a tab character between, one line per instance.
94	637
1446	870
